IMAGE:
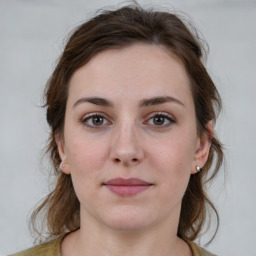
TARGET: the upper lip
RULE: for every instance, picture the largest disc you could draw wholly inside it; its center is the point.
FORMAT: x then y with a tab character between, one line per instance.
127	182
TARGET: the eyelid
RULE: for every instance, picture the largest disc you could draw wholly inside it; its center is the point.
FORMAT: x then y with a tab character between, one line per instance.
106	117
159	113
165	115
93	114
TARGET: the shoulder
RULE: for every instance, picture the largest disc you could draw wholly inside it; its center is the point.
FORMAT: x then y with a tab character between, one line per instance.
197	250
51	248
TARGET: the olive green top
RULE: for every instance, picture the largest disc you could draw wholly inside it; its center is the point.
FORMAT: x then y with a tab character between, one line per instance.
52	248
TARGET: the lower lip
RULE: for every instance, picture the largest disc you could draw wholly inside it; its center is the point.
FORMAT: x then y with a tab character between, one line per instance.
123	190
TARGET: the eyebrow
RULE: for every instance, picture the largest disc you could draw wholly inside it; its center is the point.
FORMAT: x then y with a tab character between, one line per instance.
94	100
143	103
159	100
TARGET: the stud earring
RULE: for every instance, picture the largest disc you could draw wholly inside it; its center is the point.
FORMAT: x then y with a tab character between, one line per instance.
198	169
62	165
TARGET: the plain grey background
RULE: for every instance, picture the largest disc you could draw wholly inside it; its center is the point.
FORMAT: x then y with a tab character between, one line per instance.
31	38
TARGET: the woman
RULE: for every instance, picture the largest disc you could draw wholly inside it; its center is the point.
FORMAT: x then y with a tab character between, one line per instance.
132	110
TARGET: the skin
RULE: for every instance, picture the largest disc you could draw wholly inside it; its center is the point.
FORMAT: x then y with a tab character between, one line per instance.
128	141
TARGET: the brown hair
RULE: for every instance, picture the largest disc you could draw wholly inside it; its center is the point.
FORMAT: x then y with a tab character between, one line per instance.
116	29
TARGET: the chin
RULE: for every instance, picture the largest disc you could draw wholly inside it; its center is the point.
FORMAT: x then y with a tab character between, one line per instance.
129	220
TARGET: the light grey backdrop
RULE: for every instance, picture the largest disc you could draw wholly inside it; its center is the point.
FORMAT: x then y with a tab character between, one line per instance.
31	38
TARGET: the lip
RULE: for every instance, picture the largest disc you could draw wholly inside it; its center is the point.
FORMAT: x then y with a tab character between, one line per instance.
127	182
127	187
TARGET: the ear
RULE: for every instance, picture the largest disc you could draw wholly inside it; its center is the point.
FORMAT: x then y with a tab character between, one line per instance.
64	165
202	148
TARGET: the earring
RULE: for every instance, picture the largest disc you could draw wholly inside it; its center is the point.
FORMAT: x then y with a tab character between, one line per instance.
62	165
198	169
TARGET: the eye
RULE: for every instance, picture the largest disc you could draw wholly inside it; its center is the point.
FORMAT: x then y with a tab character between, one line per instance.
161	120
95	120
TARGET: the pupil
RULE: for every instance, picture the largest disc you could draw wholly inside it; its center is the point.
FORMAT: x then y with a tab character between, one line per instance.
159	120
97	120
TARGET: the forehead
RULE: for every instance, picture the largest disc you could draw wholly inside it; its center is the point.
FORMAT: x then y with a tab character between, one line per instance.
139	71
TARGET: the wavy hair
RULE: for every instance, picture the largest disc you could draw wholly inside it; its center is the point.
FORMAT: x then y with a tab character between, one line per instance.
119	28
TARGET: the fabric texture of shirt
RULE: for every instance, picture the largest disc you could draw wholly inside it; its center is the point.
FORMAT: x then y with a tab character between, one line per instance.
52	248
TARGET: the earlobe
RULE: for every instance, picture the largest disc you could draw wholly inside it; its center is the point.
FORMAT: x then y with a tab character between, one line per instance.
202	149
64	165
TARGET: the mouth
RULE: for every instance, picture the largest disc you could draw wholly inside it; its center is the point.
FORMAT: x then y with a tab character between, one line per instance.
127	187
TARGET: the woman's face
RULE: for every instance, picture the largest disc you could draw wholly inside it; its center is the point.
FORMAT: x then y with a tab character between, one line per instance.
130	114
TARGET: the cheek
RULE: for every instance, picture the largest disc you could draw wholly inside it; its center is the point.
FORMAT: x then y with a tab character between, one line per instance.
173	158
174	154
86	159
86	155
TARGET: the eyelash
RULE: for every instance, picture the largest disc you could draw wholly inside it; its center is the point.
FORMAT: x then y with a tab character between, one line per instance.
165	116
90	116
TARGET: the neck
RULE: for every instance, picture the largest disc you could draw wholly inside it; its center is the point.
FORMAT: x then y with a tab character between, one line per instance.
96	239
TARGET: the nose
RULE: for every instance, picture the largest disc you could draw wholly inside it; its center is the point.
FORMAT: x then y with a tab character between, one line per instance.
126	147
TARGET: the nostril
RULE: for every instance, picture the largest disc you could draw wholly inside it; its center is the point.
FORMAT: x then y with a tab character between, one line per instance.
134	159
117	160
